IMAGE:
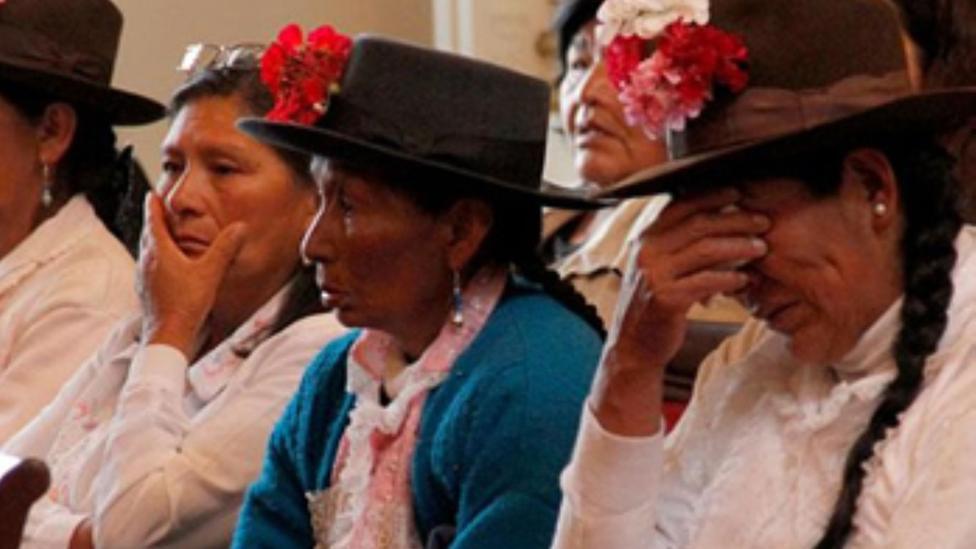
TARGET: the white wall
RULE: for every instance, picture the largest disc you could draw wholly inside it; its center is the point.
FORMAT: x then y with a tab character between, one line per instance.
156	33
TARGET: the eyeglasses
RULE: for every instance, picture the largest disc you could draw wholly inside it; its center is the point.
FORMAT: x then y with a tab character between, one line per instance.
199	57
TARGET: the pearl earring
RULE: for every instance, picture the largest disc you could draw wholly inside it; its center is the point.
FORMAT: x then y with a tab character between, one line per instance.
880	209
46	197
457	318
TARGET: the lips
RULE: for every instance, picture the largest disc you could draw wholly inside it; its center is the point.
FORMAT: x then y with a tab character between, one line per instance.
191	244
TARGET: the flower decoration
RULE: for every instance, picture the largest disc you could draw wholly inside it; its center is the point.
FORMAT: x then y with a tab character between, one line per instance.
303	74
691	58
689	62
646	18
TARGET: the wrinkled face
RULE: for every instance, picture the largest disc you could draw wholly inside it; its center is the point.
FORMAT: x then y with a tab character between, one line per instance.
605	148
828	275
20	177
214	175
381	262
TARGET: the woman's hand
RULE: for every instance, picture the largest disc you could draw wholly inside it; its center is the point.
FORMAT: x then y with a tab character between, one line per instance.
177	291
685	257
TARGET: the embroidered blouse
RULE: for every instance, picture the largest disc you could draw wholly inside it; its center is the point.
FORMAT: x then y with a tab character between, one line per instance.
757	459
158	452
62	290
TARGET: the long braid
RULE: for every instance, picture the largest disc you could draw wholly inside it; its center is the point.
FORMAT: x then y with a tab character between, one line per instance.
534	269
931	226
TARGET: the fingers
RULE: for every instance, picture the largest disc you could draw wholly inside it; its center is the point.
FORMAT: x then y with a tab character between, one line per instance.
720	254
680	210
155	227
225	247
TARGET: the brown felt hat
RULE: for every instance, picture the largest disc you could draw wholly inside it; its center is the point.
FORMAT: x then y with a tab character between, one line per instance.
821	73
419	110
66	49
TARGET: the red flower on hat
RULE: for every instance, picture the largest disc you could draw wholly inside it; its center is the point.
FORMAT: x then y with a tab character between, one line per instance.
302	74
622	56
664	91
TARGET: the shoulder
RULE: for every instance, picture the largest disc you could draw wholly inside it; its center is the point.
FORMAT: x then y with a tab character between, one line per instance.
97	271
531	331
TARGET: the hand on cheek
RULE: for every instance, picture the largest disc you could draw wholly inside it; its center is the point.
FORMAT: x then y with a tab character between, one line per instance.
178	291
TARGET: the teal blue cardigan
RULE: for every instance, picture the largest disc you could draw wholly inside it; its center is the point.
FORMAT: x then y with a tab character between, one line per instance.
494	435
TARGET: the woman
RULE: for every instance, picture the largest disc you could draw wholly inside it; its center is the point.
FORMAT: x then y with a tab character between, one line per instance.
589	248
842	415
453	409
154	440
65	277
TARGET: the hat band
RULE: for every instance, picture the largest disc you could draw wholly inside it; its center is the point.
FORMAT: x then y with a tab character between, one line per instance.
516	161
760	113
38	52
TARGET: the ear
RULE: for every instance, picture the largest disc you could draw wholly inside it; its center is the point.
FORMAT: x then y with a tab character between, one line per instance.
56	131
870	185
468	222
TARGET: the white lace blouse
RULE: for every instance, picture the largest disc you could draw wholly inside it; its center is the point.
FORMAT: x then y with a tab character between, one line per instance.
62	290
156	451
756	461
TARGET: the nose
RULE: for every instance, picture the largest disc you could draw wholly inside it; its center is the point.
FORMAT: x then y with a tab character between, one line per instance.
317	245
184	197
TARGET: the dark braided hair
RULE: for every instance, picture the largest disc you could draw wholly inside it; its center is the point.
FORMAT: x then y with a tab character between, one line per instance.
924	173
512	240
245	82
92	166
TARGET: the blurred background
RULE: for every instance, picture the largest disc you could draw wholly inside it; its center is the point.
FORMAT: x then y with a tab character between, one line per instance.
513	33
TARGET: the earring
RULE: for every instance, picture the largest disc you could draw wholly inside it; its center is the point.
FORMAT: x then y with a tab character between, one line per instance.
880	209
46	197
457	318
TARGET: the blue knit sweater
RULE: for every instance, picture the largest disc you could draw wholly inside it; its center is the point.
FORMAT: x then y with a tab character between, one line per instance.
493	439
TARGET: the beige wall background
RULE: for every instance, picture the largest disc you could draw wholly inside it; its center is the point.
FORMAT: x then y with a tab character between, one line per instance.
156	33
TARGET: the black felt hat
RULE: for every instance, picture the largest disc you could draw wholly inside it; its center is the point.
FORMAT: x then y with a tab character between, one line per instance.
821	73
66	49
409	108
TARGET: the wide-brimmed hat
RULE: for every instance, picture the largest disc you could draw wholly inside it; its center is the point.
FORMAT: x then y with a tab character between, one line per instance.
414	110
66	49
822	73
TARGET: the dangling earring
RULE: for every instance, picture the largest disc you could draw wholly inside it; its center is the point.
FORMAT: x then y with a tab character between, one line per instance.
457	318
46	197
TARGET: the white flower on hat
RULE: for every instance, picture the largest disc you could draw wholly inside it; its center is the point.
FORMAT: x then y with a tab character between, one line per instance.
646	18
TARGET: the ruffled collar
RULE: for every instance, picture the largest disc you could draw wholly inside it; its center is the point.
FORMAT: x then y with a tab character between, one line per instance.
211	372
815	396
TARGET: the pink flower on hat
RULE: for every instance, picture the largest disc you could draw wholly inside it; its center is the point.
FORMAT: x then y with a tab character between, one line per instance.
689	62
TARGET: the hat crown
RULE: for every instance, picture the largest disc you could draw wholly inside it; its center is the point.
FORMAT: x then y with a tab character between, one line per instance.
809	61
441	106
799	44
77	38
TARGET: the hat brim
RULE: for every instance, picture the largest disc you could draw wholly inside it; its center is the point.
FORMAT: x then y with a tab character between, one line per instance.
119	107
331	144
918	113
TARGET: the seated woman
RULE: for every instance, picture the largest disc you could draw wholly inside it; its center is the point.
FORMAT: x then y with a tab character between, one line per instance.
843	414
154	440
590	248
65	277
454	407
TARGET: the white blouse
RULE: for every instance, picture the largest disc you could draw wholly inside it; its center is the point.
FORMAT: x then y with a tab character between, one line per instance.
158	452
756	461
62	290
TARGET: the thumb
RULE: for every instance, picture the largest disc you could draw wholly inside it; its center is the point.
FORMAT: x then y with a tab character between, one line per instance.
226	246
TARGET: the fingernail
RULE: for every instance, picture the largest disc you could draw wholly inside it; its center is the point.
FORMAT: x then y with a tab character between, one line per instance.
760	245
